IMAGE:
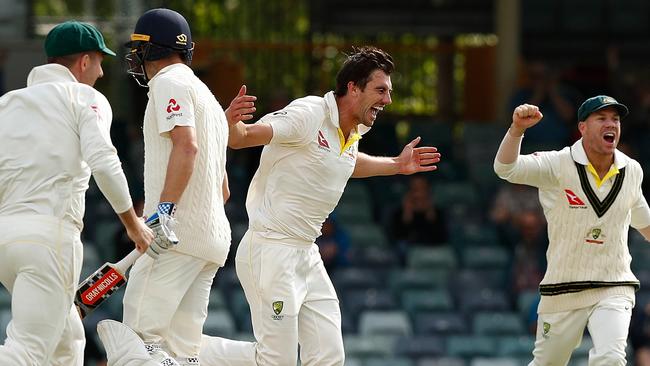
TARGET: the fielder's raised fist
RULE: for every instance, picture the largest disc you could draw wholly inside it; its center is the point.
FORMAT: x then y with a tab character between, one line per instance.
525	116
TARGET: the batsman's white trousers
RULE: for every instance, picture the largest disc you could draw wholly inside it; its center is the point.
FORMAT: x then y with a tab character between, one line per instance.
166	301
40	263
292	301
608	321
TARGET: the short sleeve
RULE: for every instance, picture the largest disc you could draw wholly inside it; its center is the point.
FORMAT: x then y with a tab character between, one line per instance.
173	103
295	125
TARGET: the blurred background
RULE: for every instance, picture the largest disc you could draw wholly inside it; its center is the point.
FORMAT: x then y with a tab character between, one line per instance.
433	269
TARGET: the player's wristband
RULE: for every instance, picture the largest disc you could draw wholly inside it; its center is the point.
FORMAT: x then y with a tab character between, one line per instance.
167	208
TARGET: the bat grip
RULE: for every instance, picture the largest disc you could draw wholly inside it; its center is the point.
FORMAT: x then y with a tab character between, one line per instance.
123	265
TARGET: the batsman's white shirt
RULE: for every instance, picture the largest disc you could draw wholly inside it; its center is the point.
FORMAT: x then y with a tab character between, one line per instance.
166	299
178	98
303	170
588	222
53	134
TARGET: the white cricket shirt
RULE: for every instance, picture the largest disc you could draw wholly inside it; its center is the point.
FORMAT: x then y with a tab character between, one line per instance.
53	134
303	170
588	223
178	98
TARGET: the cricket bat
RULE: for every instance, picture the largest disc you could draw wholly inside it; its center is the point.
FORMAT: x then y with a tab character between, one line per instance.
101	284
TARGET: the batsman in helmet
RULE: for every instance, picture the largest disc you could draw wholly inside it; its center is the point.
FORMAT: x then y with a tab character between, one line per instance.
185	141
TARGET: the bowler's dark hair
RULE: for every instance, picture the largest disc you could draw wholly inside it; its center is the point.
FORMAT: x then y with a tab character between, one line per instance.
359	65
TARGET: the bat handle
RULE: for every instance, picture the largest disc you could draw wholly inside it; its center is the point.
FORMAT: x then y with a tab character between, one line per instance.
123	265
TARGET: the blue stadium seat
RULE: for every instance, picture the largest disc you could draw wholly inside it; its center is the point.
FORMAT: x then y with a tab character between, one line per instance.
216	300
5	299
362	346
219	323
417	279
345	279
385	322
498	323
357	211
485	299
366	235
470	279
415	347
356	301
239	309
5	318
414	301
469	346
442	361
373	258
516	346
498	361
440	257
393	361
440	323
485	257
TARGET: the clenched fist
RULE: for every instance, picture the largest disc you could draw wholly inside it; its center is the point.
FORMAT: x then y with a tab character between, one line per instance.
525	116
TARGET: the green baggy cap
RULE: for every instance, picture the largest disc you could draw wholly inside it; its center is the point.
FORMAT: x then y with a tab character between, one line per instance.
599	102
74	37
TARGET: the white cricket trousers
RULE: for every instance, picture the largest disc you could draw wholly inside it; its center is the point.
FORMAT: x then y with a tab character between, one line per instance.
608	321
292	301
166	301
40	263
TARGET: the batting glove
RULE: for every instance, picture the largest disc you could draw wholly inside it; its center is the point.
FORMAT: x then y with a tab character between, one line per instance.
162	223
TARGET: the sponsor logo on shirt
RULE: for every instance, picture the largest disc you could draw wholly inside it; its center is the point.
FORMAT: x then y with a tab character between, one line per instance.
173	106
574	200
322	142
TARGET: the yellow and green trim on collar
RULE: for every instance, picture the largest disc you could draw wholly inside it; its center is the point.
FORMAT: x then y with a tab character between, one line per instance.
613	170
354	137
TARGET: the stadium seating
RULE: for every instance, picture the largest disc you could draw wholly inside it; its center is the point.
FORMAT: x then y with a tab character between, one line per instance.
385	322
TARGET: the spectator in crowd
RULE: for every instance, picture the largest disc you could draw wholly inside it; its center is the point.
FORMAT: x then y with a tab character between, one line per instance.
418	221
333	244
558	101
529	257
511	200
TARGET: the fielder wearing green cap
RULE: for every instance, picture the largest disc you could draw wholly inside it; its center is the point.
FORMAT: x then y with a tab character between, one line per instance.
591	195
74	37
54	134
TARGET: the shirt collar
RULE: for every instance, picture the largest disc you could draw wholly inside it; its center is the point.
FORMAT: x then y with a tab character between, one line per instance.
50	73
168	68
580	156
333	110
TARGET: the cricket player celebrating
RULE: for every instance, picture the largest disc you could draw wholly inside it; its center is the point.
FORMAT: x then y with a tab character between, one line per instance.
53	134
311	151
185	142
591	194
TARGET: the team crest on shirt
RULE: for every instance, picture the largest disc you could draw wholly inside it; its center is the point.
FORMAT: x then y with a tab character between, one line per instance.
546	327
595	236
277	309
173	109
